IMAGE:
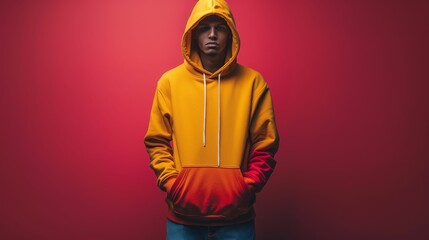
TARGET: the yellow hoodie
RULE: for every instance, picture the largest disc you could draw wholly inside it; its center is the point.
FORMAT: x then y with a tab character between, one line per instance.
210	131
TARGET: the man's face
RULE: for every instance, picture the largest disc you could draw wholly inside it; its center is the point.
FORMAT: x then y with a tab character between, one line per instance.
212	35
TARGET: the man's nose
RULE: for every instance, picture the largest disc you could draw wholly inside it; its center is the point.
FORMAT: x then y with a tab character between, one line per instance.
212	33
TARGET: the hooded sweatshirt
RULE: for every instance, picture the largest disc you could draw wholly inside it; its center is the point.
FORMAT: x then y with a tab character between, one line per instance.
210	131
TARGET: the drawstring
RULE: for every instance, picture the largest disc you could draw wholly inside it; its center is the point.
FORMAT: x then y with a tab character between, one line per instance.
218	120
218	116
205	110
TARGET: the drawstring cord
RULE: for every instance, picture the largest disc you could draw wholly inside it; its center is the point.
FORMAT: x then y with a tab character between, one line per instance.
205	110
218	120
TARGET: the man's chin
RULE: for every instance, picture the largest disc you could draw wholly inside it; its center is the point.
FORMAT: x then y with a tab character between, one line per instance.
212	53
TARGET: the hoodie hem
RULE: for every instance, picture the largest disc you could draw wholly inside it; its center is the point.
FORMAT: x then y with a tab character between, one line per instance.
210	220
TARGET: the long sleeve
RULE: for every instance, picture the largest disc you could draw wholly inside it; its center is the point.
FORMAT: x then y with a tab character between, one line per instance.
264	141
158	138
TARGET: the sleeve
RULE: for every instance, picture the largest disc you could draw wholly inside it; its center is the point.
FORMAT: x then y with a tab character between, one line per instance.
264	141
158	137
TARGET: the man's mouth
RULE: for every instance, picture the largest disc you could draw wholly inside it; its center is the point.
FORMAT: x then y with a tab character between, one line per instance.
212	44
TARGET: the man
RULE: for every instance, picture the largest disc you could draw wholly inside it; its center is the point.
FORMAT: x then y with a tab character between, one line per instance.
219	117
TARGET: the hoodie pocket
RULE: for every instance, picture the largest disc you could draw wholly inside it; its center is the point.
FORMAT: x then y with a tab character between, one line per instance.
245	188
177	185
216	193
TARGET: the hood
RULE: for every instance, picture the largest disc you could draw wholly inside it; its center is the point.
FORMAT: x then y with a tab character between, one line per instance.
202	9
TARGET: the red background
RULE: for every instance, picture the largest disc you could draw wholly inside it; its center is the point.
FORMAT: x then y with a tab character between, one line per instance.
349	81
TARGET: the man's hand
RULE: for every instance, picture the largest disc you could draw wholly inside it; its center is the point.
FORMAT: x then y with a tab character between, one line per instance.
250	184
169	183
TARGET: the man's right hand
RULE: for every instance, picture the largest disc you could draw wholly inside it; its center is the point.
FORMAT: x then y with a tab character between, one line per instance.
169	184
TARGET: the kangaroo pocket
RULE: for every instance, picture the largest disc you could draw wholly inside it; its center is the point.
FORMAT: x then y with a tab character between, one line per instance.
210	193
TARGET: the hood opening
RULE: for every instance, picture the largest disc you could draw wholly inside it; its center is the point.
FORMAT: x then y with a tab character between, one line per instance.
202	9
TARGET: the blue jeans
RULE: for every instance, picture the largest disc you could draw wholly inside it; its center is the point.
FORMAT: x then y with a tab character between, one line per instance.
241	231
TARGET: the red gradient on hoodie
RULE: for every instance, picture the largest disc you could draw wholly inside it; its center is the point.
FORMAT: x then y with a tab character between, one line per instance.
349	81
210	196
261	166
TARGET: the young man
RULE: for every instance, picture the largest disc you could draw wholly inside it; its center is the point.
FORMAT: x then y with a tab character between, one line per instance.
219	118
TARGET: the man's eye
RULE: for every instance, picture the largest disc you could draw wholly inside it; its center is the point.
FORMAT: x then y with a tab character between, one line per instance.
203	28
221	28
